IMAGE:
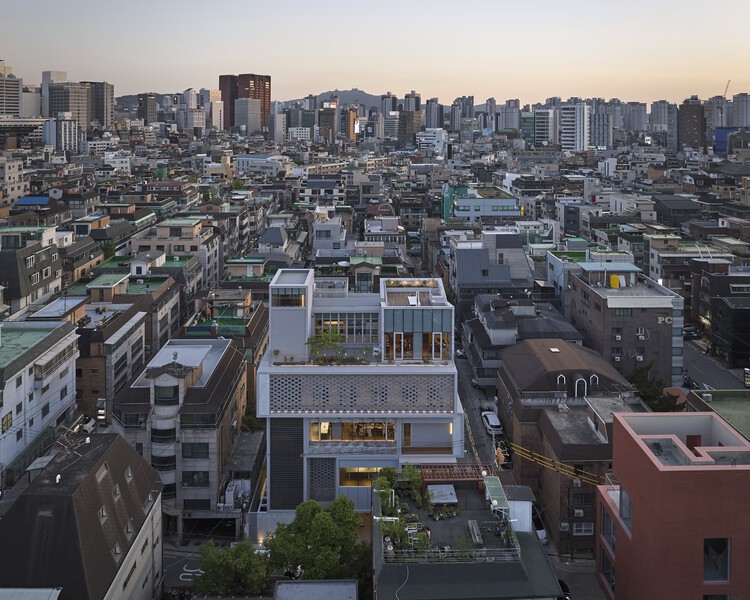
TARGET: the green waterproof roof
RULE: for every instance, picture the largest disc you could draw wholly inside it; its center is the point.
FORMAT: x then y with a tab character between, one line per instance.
495	492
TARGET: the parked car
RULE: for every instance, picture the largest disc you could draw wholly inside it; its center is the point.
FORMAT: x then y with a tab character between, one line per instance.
475	383
460	353
492	423
87	425
541	530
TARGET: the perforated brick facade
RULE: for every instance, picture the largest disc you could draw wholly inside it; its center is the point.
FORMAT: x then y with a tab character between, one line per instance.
326	393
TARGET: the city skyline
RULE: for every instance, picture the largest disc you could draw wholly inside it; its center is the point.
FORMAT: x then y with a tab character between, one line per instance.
648	52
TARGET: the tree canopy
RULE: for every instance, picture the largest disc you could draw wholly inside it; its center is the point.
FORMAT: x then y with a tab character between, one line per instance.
320	540
652	390
237	571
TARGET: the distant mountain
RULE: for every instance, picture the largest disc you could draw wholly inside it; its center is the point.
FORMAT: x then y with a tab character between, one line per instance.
353	96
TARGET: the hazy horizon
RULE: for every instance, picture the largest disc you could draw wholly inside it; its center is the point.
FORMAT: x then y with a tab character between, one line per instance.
642	51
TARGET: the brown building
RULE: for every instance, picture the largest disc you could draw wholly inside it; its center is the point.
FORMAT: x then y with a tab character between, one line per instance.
674	524
249	85
556	400
691	124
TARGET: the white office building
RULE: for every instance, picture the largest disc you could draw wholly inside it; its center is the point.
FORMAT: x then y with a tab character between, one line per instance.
382	395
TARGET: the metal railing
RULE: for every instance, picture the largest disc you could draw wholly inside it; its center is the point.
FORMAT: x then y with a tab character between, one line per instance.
447	554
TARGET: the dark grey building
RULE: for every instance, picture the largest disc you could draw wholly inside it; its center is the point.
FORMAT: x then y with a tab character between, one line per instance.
89	522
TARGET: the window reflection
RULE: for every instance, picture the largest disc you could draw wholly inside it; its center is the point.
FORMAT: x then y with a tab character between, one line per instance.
352	431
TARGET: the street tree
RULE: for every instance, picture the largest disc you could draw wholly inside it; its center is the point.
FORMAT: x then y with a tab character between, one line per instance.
320	542
236	571
652	390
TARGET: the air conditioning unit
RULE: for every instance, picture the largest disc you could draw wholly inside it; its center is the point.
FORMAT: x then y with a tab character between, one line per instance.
618	338
564	526
641	338
578	512
639	358
139	281
708	397
617	358
576	482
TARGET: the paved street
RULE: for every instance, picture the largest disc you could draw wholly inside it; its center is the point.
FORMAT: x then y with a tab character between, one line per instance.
180	567
472	400
708	372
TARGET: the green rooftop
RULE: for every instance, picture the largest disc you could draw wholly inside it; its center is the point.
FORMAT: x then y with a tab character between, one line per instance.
148	285
16	340
245	260
574	255
108	280
734	407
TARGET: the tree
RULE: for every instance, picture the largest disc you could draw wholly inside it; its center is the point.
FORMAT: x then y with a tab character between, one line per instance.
237	571
321	541
325	345
652	390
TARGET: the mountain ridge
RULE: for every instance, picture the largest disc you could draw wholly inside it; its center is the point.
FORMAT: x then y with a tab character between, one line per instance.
346	97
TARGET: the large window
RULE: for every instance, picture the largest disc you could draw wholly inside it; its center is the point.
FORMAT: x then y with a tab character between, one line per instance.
358	476
166	395
287	297
195	450
586	528
352	431
354	328
195	478
608	529
626	510
716	559
608	571
7	421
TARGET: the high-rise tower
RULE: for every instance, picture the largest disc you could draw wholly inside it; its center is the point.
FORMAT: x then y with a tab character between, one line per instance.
249	85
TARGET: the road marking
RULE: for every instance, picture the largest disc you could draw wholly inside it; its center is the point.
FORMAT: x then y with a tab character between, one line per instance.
188	574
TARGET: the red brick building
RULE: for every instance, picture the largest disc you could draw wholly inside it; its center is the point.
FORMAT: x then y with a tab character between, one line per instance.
675	524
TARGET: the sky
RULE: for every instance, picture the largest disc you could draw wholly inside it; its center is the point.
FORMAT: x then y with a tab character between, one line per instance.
642	50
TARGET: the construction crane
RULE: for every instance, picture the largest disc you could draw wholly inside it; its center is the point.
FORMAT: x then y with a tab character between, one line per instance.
721	106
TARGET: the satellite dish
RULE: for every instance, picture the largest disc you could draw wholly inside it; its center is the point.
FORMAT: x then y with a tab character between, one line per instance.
343	263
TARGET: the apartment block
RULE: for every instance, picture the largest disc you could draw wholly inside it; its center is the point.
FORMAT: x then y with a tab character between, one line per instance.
37	391
183	236
628	318
181	414
13	183
30	266
111	339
